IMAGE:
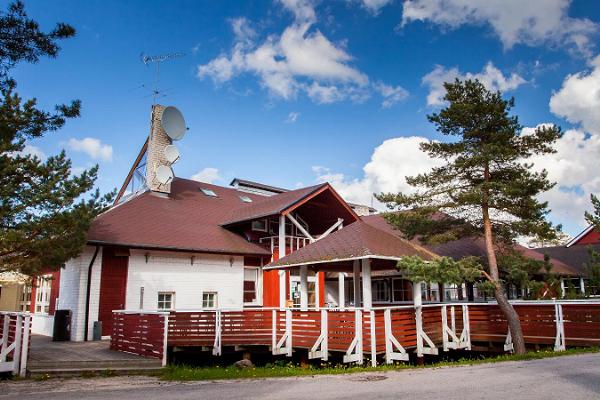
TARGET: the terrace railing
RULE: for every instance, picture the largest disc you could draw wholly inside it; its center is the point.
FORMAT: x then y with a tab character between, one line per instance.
355	332
15	339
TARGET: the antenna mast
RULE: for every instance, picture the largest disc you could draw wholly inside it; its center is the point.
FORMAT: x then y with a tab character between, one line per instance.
146	59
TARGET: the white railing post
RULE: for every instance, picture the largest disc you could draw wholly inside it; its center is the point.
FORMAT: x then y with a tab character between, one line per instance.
5	331
445	328
391	341
25	348
18	344
217	344
321	341
165	339
559	343
274	331
355	350
288	330
373	339
466	327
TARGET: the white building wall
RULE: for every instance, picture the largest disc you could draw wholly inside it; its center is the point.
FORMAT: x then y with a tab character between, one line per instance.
73	287
174	272
42	324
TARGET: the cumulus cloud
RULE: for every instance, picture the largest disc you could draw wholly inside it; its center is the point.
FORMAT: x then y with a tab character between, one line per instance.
491	77
299	60
292	117
574	167
390	163
391	95
374	6
92	147
32	151
531	22
207	175
578	100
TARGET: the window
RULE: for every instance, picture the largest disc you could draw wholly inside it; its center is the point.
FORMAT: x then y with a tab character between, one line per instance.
25	301
401	290
250	285
42	294
208	192
246	199
259	225
381	291
166	300
209	300
312	287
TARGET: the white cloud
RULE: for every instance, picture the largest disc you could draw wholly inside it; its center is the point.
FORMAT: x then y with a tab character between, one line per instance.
574	167
374	6
92	147
390	163
531	22
578	100
300	60
34	151
390	94
292	117
491	77
207	175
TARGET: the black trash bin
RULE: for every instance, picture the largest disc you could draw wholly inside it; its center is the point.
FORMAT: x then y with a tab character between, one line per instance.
62	326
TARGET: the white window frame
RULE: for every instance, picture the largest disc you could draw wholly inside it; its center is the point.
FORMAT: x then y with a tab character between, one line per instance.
43	291
387	290
25	300
172	301
309	279
260	229
257	288
209	192
215	299
409	291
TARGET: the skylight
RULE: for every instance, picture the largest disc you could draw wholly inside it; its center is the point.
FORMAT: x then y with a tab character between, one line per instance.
208	192
246	199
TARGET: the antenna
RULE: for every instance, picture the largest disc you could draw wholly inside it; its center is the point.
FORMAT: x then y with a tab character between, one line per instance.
157	59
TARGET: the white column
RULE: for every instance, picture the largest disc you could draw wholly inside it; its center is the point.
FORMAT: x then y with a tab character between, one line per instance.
366	284
282	289
356	282
282	274
582	285
562	287
341	291
304	288
417	299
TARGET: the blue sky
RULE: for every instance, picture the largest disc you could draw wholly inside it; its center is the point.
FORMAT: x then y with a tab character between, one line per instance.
293	92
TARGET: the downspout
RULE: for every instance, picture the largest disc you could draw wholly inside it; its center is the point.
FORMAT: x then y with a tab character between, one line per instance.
87	294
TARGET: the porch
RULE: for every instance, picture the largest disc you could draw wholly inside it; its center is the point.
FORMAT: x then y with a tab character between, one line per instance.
383	334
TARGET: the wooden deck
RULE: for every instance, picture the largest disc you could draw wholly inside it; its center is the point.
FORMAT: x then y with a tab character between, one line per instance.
388	331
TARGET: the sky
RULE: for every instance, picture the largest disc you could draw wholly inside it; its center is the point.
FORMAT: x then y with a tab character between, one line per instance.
295	92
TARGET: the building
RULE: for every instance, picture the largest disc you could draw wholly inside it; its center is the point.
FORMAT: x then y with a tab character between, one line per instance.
170	243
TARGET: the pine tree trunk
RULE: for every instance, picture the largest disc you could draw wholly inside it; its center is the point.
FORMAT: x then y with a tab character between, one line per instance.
514	324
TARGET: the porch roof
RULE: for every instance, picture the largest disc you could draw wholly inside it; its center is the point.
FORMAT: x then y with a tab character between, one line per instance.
356	241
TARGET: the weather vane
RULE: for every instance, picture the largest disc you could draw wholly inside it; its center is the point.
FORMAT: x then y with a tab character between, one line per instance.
157	59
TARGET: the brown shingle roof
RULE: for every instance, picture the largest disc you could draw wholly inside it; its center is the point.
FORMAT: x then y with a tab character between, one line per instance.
465	247
271	205
186	220
356	240
574	256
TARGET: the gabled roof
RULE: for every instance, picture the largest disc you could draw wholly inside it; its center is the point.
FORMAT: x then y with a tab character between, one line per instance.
469	246
187	220
257	185
583	234
279	204
355	241
574	256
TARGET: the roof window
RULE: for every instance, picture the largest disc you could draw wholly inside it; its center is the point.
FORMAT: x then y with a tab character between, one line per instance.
246	199
208	192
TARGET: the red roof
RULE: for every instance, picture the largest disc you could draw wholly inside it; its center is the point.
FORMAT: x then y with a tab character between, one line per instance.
186	220
470	246
357	240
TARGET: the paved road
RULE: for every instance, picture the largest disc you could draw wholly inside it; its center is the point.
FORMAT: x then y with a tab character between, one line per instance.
569	377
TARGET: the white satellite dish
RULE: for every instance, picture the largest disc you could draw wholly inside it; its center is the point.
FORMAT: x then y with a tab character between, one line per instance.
171	154
173	123
164	174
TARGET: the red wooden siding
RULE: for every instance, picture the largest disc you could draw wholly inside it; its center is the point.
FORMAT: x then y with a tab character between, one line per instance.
141	334
592	237
113	284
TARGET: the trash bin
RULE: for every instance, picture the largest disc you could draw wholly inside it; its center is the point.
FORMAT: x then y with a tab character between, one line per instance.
62	326
97	334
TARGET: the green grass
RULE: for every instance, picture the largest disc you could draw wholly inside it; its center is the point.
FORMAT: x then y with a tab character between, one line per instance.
287	369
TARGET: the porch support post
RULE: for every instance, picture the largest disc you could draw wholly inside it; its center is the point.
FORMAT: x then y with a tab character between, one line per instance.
303	288
366	284
281	253
341	291
356	282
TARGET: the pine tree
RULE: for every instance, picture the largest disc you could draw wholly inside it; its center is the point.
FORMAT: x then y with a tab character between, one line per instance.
45	211
593	264
485	187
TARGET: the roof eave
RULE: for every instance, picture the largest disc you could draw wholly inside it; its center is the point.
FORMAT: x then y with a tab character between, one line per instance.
177	249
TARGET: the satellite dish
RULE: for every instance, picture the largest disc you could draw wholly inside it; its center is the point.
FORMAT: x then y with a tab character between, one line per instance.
173	123
171	154
164	174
